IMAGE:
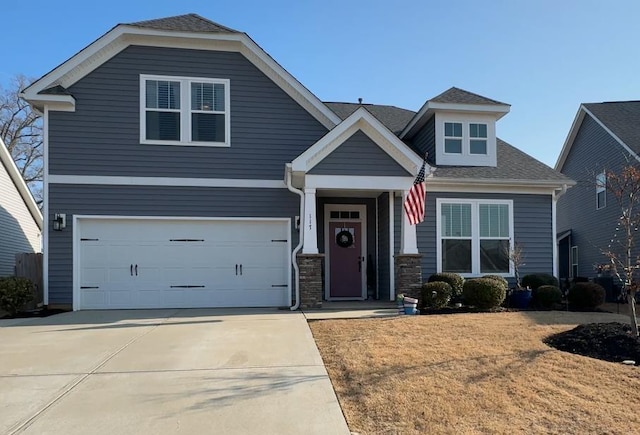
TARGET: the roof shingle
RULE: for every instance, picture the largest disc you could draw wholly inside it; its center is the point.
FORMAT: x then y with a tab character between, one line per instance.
622	118
460	96
184	23
394	118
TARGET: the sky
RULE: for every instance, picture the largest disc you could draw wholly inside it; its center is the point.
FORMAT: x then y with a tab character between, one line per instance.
544	57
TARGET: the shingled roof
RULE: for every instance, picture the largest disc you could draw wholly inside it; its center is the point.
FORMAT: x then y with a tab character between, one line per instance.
622	118
460	96
184	23
394	118
513	164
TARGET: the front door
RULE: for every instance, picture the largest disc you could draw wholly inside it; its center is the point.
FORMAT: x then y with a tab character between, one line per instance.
345	259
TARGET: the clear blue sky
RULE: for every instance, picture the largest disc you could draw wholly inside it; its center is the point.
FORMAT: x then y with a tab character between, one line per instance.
544	57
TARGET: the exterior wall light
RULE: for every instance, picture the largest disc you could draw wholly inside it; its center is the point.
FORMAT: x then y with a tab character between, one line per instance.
59	221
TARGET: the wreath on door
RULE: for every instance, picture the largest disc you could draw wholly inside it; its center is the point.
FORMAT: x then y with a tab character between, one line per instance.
344	239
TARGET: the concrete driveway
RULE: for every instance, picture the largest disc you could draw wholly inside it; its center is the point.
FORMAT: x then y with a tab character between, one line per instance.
159	372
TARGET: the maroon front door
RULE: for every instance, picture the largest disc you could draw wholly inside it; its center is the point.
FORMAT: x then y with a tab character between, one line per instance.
345	260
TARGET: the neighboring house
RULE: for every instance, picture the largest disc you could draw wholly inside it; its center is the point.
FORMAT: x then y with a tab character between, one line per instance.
20	217
604	137
188	165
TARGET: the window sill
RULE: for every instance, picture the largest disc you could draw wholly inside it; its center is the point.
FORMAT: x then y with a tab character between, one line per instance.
186	144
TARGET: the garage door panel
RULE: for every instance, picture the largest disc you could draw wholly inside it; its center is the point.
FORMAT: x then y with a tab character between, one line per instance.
183	263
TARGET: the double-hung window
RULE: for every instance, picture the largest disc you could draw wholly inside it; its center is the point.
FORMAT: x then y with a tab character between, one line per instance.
477	138
184	111
475	236
601	191
453	137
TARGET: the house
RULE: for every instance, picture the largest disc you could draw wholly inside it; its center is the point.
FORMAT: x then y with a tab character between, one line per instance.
603	137
186	168
20	217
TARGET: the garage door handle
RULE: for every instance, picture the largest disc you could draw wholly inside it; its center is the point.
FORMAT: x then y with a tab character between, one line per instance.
131	269
136	270
236	269
241	269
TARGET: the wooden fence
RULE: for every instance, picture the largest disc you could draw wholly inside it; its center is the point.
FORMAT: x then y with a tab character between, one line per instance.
30	266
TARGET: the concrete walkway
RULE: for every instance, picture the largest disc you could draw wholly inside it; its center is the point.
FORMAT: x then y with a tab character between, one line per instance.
165	372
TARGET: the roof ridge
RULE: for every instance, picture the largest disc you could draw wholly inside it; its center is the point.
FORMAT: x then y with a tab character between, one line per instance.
206	20
192	16
457	89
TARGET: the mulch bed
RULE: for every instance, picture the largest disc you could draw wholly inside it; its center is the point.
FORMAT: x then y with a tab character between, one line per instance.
606	341
44	312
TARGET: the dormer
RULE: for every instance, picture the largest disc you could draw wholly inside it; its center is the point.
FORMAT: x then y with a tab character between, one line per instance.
457	128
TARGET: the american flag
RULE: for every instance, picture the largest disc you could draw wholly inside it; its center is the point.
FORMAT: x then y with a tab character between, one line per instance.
414	203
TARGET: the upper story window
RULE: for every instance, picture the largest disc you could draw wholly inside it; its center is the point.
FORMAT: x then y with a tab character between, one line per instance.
601	191
478	139
184	111
474	236
453	137
465	140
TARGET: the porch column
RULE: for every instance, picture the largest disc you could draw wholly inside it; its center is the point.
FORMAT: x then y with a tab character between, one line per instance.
409	241
310	223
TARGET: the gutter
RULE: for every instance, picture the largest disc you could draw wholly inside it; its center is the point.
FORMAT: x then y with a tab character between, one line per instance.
294	254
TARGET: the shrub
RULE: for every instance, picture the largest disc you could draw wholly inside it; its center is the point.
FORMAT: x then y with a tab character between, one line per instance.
453	279
499	279
586	295
15	292
436	294
546	296
535	280
484	293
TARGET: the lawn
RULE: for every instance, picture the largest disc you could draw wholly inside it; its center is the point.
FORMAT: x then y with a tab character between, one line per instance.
475	373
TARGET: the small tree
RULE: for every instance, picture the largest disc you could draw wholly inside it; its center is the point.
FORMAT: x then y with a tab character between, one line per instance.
515	254
624	186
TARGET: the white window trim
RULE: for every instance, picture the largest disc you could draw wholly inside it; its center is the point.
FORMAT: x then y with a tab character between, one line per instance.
185	111
601	186
573	260
475	233
461	138
466	158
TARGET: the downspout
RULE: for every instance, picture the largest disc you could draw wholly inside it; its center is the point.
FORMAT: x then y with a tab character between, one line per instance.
294	254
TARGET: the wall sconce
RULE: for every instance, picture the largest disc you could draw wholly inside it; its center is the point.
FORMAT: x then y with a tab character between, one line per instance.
59	221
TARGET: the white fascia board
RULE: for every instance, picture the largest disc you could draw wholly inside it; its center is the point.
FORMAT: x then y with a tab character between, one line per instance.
21	185
469	185
355	182
361	119
116	40
498	110
167	181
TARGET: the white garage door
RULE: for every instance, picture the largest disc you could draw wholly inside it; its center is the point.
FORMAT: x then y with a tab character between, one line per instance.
133	263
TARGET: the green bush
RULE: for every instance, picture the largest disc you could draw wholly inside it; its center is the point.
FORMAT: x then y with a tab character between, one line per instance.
15	292
499	279
586	295
453	279
535	280
436	294
546	296
484	293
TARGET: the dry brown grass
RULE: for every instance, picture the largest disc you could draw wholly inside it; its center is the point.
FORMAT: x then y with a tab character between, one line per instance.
474	373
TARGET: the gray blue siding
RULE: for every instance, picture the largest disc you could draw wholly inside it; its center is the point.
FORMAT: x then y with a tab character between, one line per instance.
384	253
593	151
102	137
150	201
532	229
425	140
359	155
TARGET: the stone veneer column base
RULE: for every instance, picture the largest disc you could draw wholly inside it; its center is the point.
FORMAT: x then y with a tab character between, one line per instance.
408	274
310	280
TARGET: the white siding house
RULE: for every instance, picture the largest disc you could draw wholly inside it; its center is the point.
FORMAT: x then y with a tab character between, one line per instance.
20	218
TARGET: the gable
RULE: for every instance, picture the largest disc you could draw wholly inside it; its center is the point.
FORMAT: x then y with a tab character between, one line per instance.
592	150
123	36
268	127
359	155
